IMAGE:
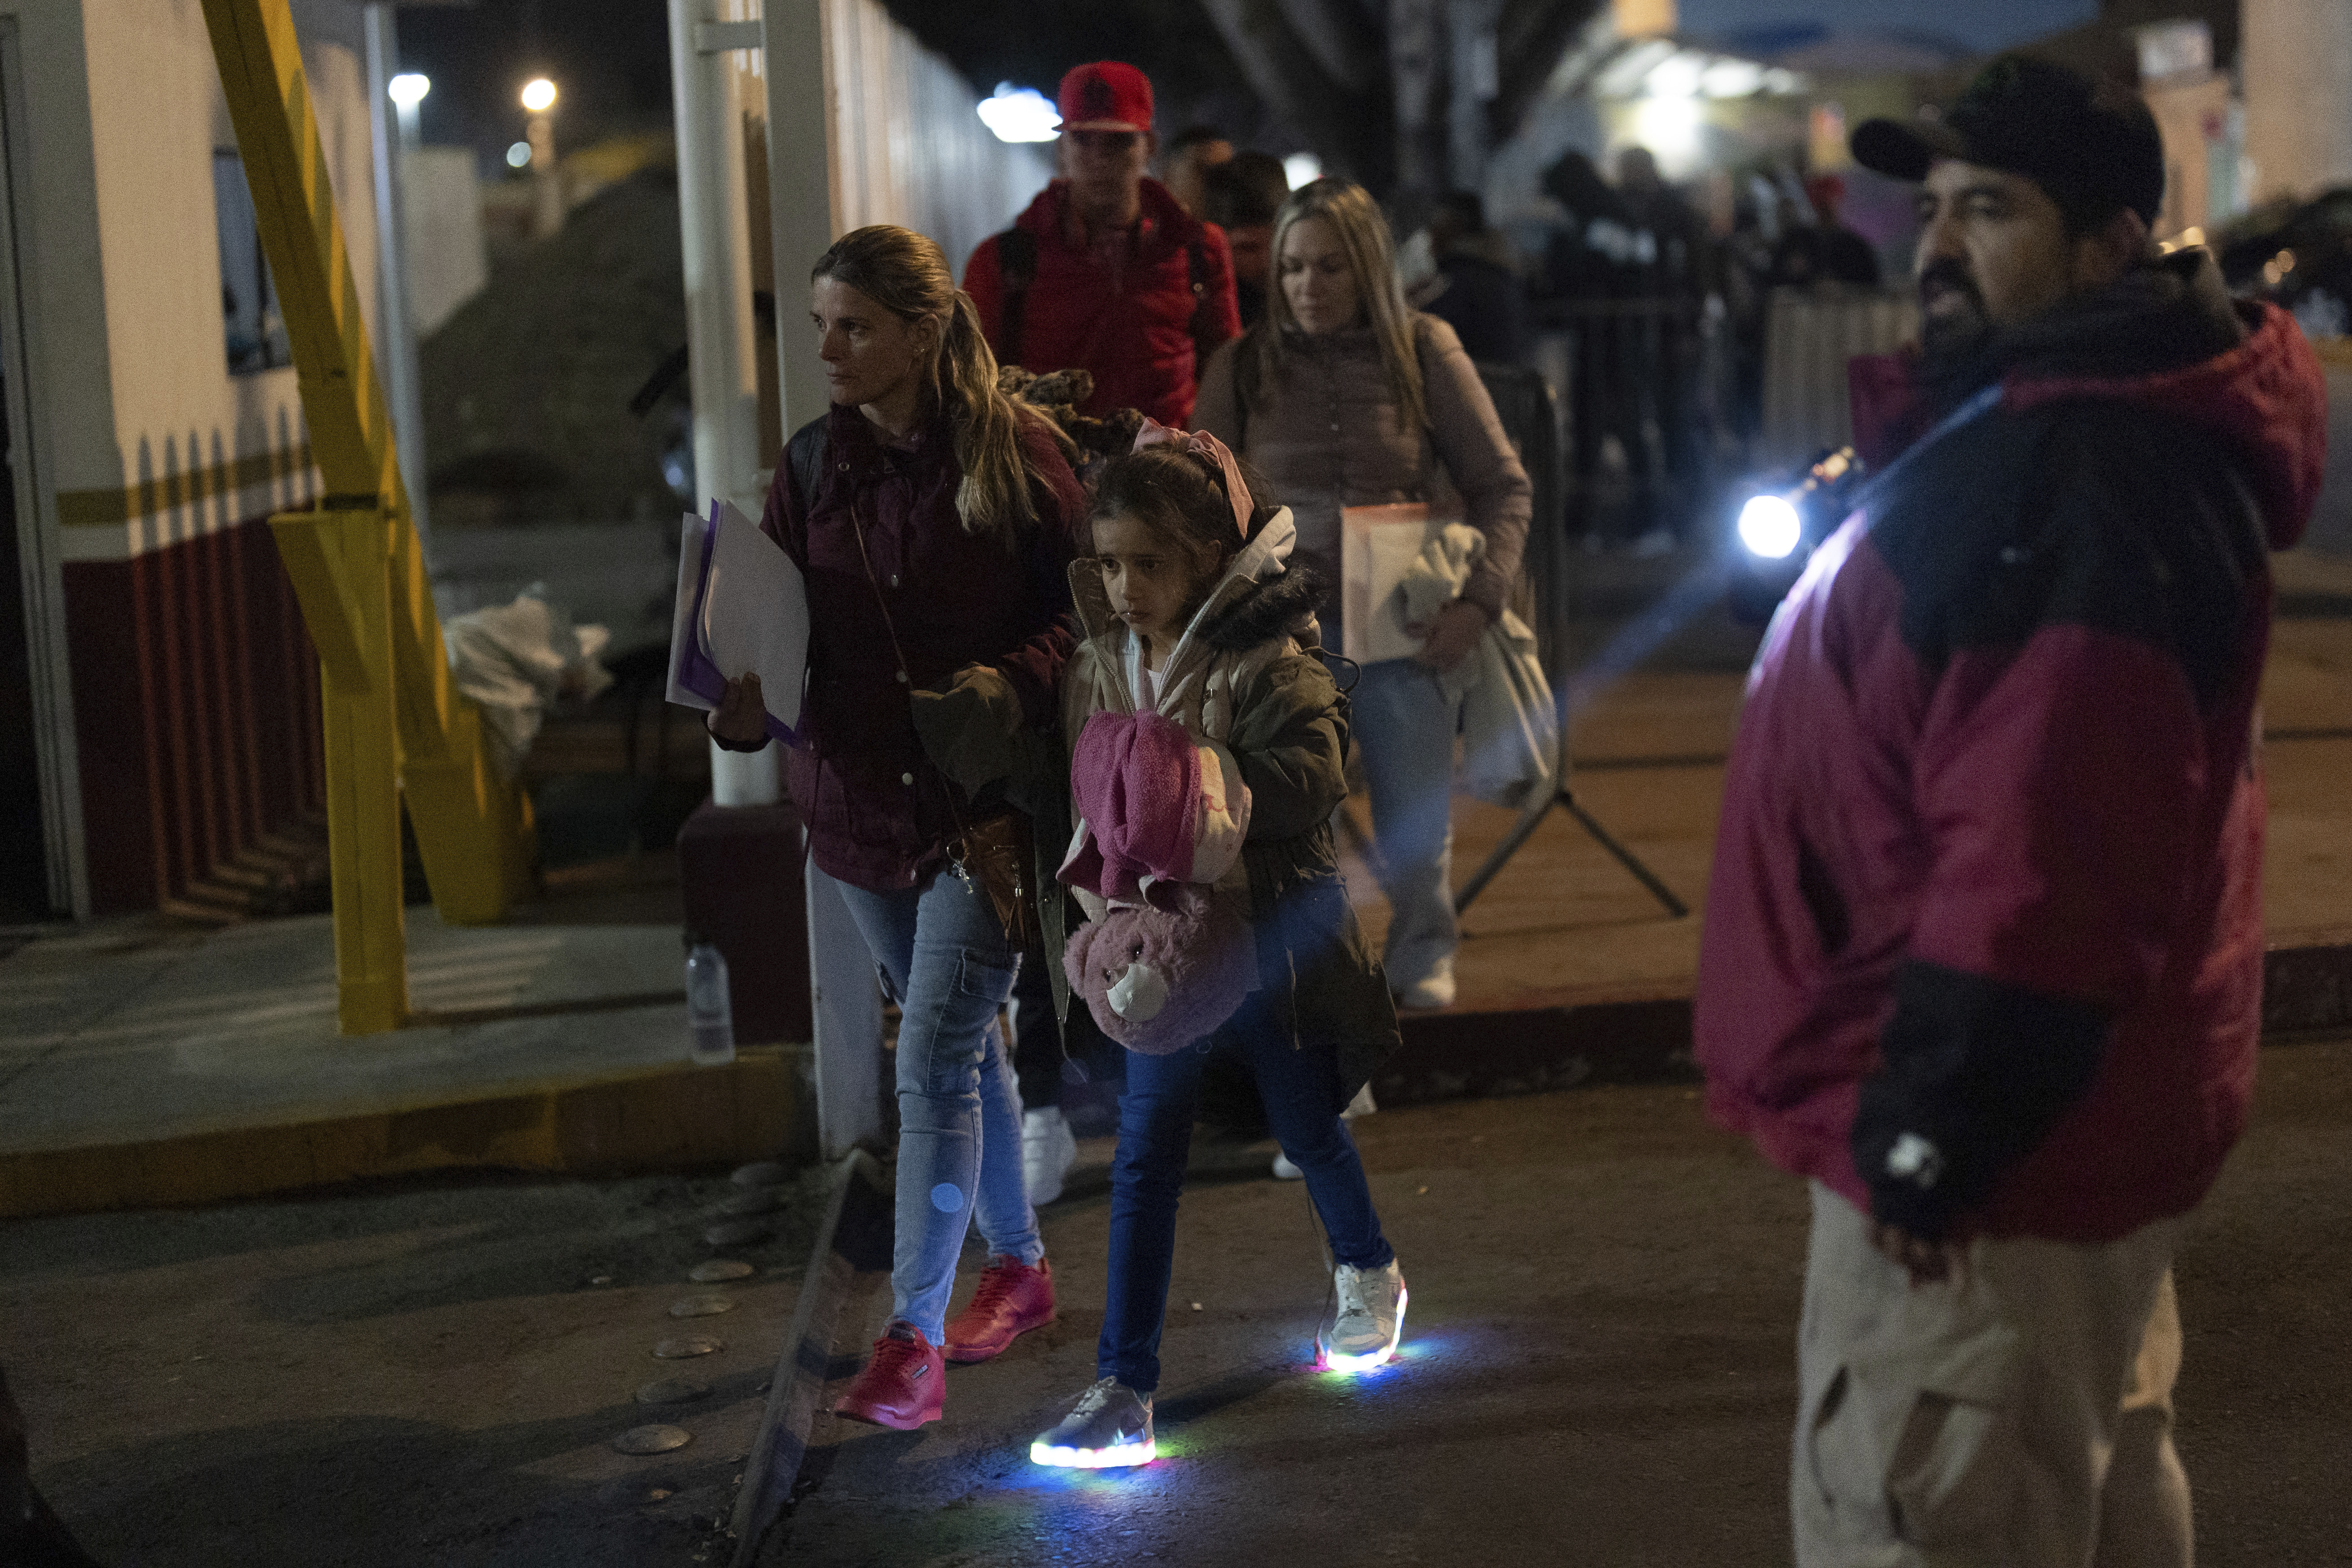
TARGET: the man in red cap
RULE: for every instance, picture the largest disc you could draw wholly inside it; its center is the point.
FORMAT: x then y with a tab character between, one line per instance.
1106	271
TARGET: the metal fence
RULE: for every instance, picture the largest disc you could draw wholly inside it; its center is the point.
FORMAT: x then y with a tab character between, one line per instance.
1808	337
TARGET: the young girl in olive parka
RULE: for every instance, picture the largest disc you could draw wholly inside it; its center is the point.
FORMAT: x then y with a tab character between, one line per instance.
1188	610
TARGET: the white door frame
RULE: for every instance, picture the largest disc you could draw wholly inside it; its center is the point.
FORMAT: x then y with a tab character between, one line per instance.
42	586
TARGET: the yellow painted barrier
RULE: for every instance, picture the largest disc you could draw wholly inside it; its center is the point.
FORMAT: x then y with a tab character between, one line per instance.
396	725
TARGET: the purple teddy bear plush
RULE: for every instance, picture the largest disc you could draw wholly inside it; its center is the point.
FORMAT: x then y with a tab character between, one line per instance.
1159	976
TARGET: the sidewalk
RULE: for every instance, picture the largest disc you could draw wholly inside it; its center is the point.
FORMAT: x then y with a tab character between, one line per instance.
148	1062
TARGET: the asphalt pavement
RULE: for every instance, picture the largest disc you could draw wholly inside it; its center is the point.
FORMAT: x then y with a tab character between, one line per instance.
1597	1366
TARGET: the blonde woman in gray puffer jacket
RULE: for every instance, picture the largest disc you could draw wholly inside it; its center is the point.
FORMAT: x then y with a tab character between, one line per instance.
1343	396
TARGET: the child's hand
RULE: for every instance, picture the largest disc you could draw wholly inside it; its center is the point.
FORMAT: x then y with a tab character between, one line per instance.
742	717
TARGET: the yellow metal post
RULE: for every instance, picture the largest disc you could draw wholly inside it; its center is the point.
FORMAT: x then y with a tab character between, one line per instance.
395	721
338	560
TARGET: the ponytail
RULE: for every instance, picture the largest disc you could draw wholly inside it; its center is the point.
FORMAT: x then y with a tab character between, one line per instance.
994	496
907	274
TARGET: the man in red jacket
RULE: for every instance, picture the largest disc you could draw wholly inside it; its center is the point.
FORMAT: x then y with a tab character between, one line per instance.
1984	944
1106	271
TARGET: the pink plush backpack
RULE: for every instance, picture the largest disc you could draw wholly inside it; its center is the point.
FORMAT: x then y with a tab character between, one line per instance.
1159	975
1164	816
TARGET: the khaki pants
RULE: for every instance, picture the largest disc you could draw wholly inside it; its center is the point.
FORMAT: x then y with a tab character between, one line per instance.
2018	1415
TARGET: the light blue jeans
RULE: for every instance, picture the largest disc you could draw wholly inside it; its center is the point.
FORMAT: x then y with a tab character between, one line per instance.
944	958
1406	727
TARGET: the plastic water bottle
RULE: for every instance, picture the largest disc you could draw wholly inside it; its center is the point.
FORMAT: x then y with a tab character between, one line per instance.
709	1016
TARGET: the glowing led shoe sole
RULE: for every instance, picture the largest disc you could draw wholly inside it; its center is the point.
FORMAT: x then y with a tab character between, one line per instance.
1370	1321
1110	1430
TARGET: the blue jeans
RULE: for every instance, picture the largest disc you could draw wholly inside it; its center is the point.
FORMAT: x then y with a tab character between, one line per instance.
1406	727
944	958
1298	1086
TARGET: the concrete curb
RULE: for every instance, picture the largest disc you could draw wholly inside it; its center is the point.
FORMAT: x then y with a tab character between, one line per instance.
664	1117
854	1238
1560	1039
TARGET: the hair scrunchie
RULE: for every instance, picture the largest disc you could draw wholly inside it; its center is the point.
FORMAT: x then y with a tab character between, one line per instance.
1201	444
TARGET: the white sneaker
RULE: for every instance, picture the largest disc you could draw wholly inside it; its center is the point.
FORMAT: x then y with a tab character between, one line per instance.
1284	1171
1430	992
1361	1106
1370	1321
1049	1149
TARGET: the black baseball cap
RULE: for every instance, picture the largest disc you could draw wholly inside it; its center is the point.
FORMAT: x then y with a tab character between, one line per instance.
2089	142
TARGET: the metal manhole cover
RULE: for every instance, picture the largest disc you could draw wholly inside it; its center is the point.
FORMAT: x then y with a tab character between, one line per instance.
671	1391
719	1270
651	1439
690	1345
701	1306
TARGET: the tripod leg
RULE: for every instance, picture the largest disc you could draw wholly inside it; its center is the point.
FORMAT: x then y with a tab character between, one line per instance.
1530	820
1625	858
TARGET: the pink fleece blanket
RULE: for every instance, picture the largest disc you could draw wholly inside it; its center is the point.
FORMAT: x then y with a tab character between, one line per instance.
1135	780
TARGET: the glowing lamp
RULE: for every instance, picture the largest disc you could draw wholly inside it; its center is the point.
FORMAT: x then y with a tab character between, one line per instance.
539	95
408	88
1020	114
1302	169
1770	526
1119	1455
518	155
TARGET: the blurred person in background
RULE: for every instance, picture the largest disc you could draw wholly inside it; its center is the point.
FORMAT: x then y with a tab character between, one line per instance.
1192	153
1243	195
1587	279
1477	289
1345	397
1669	260
1106	271
1823	250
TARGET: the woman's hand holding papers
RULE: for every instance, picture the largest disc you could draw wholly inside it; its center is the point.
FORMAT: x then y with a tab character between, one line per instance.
742	718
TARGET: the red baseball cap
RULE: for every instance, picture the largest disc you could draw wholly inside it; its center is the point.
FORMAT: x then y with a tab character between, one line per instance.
1105	95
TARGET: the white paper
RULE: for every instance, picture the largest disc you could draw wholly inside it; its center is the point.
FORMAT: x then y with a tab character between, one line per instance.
755	614
1377	545
693	539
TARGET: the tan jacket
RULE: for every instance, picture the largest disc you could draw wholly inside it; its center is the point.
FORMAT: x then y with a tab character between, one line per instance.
1326	434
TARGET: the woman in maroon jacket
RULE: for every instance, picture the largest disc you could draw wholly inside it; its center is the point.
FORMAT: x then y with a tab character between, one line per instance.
932	521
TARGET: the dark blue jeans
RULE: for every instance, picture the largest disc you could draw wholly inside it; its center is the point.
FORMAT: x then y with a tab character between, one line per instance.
1298	1087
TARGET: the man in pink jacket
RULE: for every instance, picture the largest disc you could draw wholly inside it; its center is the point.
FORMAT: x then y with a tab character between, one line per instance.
1984	944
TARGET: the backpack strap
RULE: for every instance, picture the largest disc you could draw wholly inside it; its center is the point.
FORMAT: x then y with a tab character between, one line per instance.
1196	261
1016	267
805	455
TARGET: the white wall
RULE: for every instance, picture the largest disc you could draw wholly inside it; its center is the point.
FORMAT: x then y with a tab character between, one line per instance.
446	265
155	113
2295	65
910	148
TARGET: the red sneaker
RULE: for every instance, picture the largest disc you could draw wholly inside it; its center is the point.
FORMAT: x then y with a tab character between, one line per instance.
902	1387
1013	1298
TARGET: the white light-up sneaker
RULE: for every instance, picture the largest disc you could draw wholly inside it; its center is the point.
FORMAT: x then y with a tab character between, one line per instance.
1370	1321
1110	1428
1049	1149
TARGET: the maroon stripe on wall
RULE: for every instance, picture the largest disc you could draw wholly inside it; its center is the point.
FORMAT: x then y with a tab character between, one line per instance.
196	703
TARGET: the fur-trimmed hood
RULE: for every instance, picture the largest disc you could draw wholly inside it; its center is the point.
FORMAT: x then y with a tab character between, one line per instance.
1258	600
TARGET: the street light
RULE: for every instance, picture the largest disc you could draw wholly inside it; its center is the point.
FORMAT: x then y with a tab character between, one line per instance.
407	90
539	98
